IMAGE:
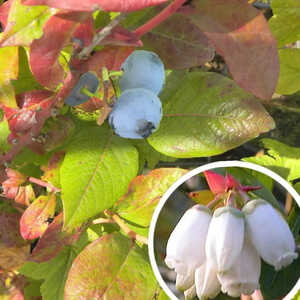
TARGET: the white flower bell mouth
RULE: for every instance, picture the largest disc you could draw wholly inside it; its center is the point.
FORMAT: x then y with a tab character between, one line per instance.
270	234
186	245
225	237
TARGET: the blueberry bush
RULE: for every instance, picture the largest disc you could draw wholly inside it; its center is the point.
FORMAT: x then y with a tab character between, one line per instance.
77	194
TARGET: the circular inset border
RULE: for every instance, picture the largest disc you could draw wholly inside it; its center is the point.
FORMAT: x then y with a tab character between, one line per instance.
214	165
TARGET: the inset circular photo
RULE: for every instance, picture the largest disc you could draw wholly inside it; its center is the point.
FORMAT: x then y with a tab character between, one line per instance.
227	230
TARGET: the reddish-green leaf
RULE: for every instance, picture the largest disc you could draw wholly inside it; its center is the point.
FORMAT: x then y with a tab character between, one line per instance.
53	241
179	43
206	114
23	24
33	222
112	267
44	52
240	33
9	68
144	193
9	230
92	5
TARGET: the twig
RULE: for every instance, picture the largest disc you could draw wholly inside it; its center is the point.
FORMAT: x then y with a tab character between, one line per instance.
44	184
164	14
103	221
130	233
100	36
288	203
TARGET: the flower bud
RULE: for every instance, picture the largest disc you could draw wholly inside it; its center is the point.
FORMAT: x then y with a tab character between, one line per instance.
243	277
206	281
269	233
225	237
186	245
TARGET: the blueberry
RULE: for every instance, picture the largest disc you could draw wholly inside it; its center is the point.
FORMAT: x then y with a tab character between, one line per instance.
143	69
136	114
88	80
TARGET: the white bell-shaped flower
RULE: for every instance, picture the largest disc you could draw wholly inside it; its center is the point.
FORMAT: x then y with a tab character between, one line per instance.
225	237
186	245
206	281
243	276
269	233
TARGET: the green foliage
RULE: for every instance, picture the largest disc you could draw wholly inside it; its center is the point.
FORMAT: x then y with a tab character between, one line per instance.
102	189
4	132
289	81
280	158
54	273
106	164
285	23
206	114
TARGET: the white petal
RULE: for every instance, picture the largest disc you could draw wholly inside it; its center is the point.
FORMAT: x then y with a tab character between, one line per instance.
243	277
184	282
186	245
225	237
206	281
269	233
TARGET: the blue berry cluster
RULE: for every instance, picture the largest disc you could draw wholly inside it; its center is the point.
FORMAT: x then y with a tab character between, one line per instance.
138	111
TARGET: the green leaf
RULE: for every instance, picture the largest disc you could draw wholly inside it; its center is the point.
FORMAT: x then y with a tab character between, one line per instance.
289	79
26	81
109	268
95	173
4	133
144	192
8	70
149	155
285	23
280	158
276	285
54	273
24	24
207	114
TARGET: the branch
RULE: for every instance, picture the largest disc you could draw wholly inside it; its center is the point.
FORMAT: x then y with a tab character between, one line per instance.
100	36
164	14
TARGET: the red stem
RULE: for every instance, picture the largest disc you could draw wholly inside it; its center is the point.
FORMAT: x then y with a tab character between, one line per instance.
164	14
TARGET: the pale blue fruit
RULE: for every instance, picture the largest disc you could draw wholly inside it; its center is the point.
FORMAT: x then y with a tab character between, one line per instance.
136	114
88	80
143	69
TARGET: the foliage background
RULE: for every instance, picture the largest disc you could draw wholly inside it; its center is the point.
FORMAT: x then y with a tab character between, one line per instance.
76	199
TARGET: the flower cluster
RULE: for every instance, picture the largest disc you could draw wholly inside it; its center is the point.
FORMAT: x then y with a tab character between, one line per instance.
222	251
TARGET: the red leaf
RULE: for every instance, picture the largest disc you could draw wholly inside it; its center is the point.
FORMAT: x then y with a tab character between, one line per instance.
84	32
122	37
44	52
32	98
240	33
92	5
179	43
21	120
53	241
11	184
33	222
216	182
4	11
109	57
